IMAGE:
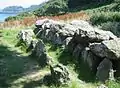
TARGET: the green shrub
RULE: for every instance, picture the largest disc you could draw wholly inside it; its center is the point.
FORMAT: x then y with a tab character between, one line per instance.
114	27
103	17
52	7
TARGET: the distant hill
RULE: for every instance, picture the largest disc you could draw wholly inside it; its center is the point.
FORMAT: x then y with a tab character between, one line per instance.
13	9
32	7
19	9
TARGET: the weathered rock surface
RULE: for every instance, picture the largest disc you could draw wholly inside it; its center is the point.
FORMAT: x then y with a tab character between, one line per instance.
109	49
77	51
25	36
39	48
91	35
79	38
54	31
66	41
103	70
60	74
86	33
32	45
41	54
90	59
81	24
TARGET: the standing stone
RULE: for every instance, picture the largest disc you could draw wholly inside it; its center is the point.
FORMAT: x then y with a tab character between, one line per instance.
32	45
77	51
41	54
103	70
90	59
60	74
39	48
25	36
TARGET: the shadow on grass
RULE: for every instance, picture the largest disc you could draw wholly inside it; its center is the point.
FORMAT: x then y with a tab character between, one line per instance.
84	72
66	58
45	81
13	65
33	84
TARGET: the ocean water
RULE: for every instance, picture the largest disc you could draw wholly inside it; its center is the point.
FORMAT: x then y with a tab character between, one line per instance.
3	16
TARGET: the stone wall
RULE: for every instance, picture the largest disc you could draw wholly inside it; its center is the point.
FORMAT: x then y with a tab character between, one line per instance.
97	48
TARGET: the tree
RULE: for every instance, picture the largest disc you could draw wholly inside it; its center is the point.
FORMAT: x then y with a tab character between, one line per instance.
57	7
76	3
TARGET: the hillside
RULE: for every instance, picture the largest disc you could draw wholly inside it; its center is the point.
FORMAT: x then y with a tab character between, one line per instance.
102	13
62	44
20	9
13	9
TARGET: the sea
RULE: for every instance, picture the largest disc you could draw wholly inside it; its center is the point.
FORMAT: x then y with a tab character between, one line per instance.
3	16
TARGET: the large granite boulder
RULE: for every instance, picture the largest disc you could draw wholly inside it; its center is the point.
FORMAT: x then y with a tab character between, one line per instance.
81	24
59	74
25	36
54	31
86	33
109	49
103	70
90	35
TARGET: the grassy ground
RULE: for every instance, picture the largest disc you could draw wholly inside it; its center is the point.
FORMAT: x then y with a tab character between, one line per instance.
16	67
19	70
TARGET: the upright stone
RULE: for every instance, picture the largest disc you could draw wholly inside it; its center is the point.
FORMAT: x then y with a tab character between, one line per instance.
103	70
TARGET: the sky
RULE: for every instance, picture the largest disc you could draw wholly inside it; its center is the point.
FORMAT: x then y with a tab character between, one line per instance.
24	3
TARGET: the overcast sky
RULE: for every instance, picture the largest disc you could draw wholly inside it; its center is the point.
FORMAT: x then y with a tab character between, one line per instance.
24	3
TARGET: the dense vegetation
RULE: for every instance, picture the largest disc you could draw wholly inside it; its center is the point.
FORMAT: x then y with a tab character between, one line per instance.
58	7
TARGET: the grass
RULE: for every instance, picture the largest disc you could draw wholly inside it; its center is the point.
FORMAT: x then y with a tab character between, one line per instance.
17	69
14	63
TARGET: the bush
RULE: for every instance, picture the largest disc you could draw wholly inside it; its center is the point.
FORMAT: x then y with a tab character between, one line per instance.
11	18
103	17
77	3
52	7
57	7
114	27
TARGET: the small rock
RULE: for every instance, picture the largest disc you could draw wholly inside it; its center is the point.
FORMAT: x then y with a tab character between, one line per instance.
25	36
32	45
60	74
